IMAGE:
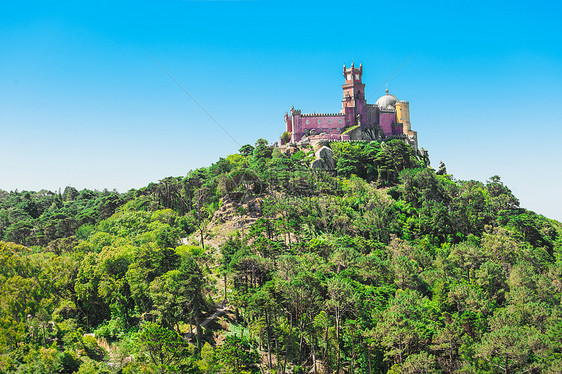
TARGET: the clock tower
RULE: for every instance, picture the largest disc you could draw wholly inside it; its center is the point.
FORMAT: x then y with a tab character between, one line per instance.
353	103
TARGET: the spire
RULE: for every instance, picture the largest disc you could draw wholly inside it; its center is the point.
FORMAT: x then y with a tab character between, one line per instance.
387	91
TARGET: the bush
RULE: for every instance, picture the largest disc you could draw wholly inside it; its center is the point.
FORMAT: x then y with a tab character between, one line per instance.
93	350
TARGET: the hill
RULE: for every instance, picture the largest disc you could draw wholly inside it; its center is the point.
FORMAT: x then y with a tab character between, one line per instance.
380	266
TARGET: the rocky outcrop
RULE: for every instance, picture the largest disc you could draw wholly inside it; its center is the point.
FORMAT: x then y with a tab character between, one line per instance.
354	133
371	134
246	210
289	150
442	169
324	159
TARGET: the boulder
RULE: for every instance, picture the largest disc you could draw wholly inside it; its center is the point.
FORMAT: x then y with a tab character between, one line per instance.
442	169
325	155
317	164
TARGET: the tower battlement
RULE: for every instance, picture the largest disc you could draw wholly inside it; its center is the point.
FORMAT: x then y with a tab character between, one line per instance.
356	72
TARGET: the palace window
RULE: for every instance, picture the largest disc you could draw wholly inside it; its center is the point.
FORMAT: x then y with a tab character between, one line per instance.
319	121
307	122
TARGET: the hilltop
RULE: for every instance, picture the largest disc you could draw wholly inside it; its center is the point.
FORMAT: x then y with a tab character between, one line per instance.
376	265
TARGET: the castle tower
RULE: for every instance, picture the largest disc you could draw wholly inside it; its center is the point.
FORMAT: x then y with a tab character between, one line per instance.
403	115
353	103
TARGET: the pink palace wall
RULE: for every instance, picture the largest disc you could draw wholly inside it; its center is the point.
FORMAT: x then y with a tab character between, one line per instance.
385	121
321	123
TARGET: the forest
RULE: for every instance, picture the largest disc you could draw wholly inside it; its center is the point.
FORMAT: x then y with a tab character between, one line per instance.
260	264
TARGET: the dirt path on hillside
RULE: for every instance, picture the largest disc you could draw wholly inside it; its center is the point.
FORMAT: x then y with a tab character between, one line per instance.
220	308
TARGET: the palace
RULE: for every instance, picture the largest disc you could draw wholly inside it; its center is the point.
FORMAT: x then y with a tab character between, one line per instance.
357	120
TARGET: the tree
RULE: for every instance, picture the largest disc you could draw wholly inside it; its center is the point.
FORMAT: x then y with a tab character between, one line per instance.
163	349
404	327
263	304
236	356
246	149
419	363
201	212
514	349
177	295
69	194
341	298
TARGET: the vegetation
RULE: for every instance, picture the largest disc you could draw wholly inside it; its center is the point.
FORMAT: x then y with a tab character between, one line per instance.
379	267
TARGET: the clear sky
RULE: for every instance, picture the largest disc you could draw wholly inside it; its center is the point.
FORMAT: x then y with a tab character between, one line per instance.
83	103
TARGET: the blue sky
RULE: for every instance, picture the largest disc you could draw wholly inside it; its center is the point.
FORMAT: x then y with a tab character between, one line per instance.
82	102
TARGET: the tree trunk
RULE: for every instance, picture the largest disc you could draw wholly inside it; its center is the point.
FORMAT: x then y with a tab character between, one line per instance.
288	344
277	354
199	333
301	328
369	361
353	358
202	237
268	338
312	342
197	327
326	354
338	341
225	300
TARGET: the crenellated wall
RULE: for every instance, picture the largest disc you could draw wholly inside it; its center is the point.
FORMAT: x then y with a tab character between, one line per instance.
321	123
